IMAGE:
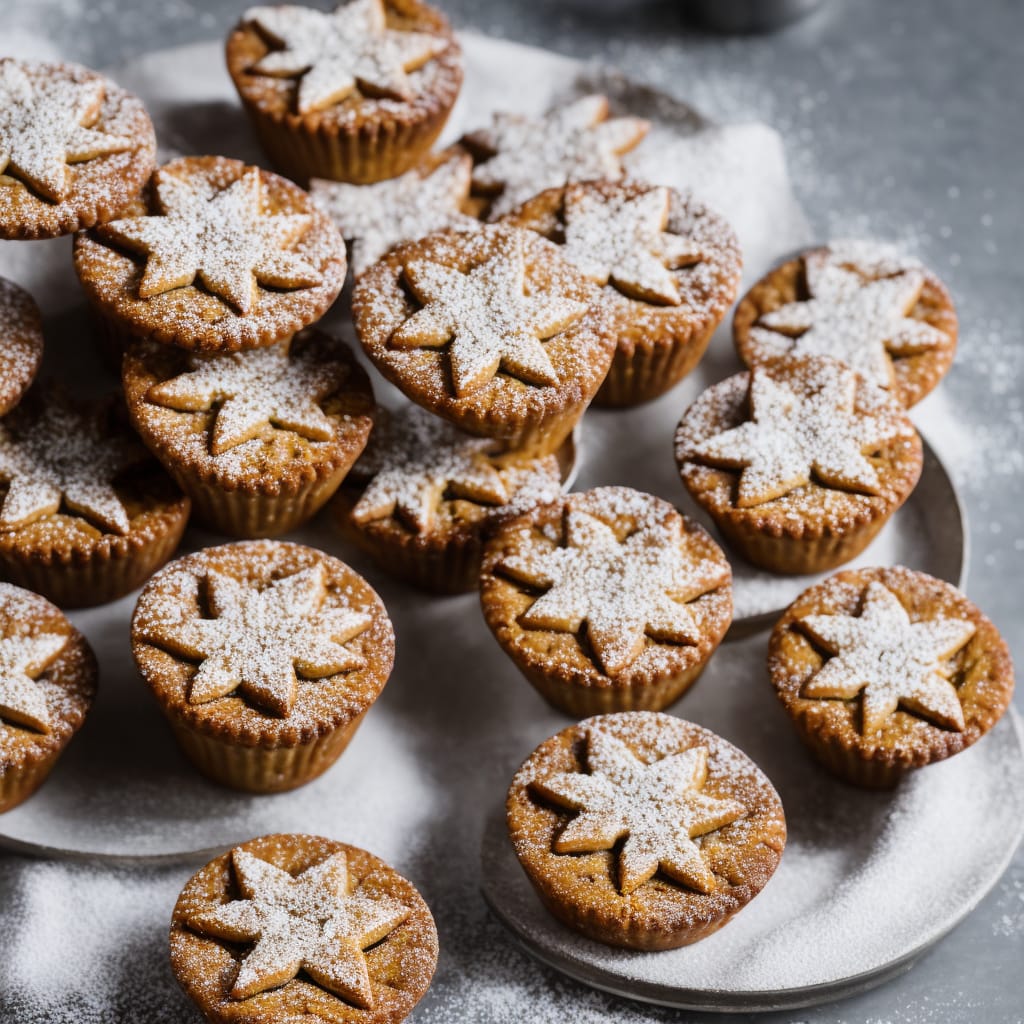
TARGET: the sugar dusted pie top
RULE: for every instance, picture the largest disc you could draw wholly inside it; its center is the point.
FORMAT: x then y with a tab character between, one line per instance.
220	256
415	462
794	433
575	142
642	829
62	456
891	663
801	443
859	310
21	343
263	417
223	238
333	54
74	148
658	808
310	922
46	124
288	927
262	636
377	217
624	565
47	677
889	660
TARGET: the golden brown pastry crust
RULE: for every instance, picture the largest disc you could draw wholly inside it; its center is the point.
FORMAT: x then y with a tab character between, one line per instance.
257	489
532	418
581	889
814	527
101	188
21	343
914	376
562	665
400	966
192	317
360	139
657	344
230	739
982	673
69	684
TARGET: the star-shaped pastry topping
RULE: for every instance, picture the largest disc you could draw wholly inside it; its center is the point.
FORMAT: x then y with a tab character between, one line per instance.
413	460
791	436
222	237
860	322
622	238
623	590
308	922
657	808
488	316
257	641
45	124
893	661
63	455
252	389
22	659
334	53
376	218
575	142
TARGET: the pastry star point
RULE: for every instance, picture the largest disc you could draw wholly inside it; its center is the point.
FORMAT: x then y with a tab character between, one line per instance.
658	808
22	660
889	660
309	922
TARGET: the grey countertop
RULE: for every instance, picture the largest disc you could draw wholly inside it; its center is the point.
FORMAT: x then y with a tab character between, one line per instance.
902	120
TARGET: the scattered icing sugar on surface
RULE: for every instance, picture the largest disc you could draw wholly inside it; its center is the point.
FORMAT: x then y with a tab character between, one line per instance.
255	388
623	588
333	54
46	123
792	435
22	341
223	238
61	455
377	217
658	807
852	315
488	314
574	142
308	922
889	660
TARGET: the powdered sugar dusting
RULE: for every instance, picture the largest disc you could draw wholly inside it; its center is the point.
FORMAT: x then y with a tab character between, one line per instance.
853	315
488	314
622	588
377	217
889	659
22	343
61	454
575	142
257	641
309	922
791	435
332	54
46	123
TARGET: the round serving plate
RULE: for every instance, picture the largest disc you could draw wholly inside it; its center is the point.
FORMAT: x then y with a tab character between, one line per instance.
867	883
